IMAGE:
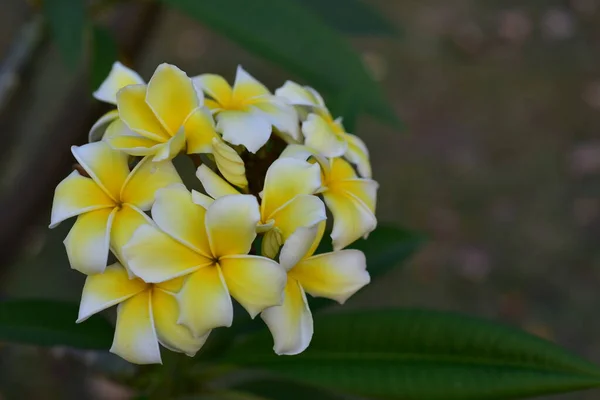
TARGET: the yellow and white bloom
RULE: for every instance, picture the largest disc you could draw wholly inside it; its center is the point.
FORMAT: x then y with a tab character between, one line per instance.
211	248
146	315
336	275
109	203
287	203
162	118
247	111
118	77
324	133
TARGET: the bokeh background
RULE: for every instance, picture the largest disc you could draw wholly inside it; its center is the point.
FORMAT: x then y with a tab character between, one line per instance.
499	164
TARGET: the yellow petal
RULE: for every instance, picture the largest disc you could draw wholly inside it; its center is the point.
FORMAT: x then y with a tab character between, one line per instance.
302	211
127	219
230	164
201	199
364	189
106	166
177	215
200	131
99	127
358	154
351	218
213	184
135	337
271	242
231	224
156	257
255	282
337	275
340	170
320	136
282	116
88	241
291	323
204	301
107	289
170	149
120	137
298	246
118	77
249	128
75	195
215	86
246	87
172	97
287	178
170	333
137	115
145	179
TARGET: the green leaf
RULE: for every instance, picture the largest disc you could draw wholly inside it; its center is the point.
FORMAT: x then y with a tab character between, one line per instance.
385	248
423	355
290	35
104	54
274	389
353	17
67	24
51	323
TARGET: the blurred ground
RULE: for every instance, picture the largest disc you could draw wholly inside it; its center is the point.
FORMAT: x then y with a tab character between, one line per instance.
500	164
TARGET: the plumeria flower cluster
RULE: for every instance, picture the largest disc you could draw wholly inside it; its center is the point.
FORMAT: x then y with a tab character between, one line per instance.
270	166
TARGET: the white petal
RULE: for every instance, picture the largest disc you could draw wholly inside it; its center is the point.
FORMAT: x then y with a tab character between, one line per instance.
213	184
282	116
97	130
298	246
321	136
118	77
248	128
201	199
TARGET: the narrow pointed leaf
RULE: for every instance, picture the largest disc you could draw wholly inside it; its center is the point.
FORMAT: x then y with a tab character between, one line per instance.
423	355
51	323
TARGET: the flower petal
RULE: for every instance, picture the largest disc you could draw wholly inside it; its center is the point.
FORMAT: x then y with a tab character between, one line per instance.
297	95
291	323
102	291
99	127
287	178
170	149
200	131
364	189
137	115
255	282
170	333
231	224
135	337
120	137
125	223
118	77
75	195
358	154
215	86
248	128
337	275
201	199
246	86
340	170
230	164
172	96
88	241
271	242
213	184
303	210
177	215
351	218
106	166
204	301
298	246
320	136
156	257
145	179
282	116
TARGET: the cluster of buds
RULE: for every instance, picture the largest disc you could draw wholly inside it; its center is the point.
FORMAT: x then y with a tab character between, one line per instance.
270	165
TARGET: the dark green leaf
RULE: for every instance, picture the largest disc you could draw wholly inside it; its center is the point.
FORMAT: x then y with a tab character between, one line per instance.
351	16
386	248
51	323
274	389
285	32
104	54
67	24
423	355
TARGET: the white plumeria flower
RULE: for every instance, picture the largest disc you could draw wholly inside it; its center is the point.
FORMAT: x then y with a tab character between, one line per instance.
211	248
109	203
146	315
287	203
336	275
247	111
324	133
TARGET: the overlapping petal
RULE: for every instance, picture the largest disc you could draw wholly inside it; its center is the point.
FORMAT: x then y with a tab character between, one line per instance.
170	149
118	77
298	95
229	163
303	210
358	154
320	136
137	114
215	86
126	221
200	131
248	128
246	87
351	218
145	179
99	128
281	116
213	184
120	137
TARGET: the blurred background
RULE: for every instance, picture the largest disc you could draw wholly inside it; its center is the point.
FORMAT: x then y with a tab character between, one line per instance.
498	164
